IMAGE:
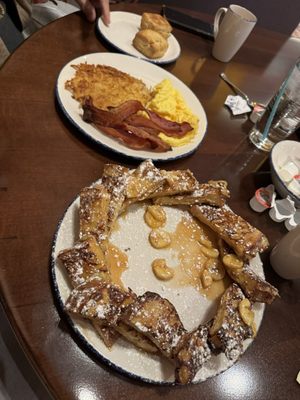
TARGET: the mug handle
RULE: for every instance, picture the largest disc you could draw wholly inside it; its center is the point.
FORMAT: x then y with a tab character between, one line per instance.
218	16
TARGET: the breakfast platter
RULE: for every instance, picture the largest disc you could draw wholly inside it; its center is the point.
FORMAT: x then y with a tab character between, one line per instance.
81	280
122	30
149	75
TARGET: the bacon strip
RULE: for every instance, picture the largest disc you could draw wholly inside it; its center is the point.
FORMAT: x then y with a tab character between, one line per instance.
143	122
159	124
157	144
112	117
170	128
128	139
135	131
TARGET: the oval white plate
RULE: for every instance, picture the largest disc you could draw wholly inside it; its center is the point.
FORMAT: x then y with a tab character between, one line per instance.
151	74
193	308
123	28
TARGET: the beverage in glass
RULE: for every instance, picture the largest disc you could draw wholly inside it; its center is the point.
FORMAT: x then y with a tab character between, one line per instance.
282	115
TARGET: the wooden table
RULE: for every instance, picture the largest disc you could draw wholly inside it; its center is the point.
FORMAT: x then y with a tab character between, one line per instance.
44	164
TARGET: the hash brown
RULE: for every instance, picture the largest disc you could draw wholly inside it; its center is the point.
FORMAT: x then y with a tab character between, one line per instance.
107	86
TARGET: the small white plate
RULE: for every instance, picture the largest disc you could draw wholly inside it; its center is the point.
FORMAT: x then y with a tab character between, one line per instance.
193	309
122	30
151	74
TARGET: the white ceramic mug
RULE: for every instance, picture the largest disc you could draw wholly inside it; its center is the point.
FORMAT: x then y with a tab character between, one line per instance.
285	257
232	26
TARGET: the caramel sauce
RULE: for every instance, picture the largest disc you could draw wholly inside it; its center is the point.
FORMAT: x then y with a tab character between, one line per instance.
185	242
216	289
117	262
191	261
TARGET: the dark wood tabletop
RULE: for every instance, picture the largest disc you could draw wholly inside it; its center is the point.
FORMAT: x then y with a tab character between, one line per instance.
45	163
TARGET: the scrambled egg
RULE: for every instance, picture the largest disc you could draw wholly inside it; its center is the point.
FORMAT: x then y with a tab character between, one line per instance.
169	103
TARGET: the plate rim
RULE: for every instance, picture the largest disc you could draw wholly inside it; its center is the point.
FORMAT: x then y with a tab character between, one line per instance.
141	57
151	155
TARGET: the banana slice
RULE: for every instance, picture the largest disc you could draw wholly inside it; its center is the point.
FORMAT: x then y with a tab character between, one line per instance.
209	252
206	242
215	268
232	262
161	270
206	279
155	216
159	238
246	313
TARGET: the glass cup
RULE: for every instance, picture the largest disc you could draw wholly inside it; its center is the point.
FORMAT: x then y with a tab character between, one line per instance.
282	115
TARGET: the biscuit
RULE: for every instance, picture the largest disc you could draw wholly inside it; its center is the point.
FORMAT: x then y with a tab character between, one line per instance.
150	43
157	23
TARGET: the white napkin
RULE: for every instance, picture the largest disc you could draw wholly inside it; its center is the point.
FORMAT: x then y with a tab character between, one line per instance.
237	105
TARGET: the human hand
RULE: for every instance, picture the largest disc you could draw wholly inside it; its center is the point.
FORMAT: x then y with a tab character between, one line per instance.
89	9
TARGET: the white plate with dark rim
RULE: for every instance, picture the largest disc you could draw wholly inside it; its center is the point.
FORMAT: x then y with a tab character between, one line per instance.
122	30
193	308
151	75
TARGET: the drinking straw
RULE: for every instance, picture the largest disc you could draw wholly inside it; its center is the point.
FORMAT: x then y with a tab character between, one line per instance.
276	104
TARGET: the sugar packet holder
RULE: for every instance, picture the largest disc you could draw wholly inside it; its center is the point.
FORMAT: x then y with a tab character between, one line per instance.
289	173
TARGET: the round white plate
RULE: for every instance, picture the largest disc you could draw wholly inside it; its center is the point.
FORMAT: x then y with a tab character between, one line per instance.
151	74
193	308
123	28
